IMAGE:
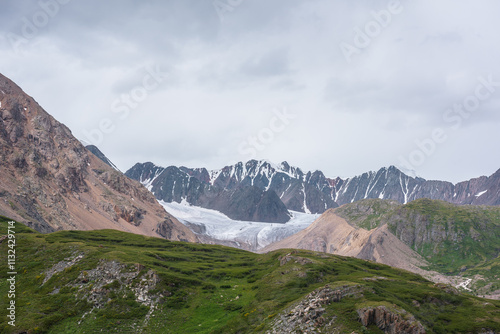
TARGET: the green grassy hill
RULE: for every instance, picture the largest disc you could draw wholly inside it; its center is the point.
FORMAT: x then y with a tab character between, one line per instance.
115	282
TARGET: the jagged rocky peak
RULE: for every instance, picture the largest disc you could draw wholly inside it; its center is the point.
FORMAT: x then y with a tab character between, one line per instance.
50	181
309	191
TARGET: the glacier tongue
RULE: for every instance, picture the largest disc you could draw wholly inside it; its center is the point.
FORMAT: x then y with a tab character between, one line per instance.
253	235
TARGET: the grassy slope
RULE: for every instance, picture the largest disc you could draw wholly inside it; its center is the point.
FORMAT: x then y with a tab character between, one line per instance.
213	289
454	239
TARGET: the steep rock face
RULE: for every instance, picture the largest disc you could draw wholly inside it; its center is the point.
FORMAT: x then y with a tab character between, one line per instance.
238	200
391	322
250	203
310	192
437	229
49	181
308	315
275	189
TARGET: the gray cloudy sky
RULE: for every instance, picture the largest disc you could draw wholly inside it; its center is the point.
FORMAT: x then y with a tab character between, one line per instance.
340	86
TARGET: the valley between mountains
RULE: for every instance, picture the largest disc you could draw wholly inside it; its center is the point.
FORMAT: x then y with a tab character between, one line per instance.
384	216
255	247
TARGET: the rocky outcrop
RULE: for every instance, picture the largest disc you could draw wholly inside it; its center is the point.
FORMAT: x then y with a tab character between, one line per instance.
50	181
307	316
390	321
61	266
131	215
95	284
296	259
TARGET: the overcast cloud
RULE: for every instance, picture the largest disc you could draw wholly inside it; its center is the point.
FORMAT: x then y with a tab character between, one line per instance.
204	83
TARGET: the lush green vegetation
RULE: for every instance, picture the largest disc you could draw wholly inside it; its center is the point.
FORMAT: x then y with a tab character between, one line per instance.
368	213
209	289
452	238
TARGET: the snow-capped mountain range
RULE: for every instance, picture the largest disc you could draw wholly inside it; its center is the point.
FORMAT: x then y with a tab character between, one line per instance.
262	191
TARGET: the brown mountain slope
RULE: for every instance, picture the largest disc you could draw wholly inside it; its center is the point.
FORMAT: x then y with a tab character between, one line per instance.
50	181
333	234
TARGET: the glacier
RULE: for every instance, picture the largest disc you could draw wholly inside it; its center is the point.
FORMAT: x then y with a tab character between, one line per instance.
241	234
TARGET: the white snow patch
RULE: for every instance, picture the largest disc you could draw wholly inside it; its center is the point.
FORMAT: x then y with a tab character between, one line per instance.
149	182
481	193
404	189
306	209
221	227
214	174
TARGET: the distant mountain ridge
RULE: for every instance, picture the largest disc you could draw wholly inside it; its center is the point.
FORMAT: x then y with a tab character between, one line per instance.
97	152
309	192
212	190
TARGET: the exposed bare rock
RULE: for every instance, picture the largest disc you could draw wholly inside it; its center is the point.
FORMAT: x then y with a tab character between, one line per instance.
240	202
61	265
333	234
131	215
307	316
50	181
390	321
296	259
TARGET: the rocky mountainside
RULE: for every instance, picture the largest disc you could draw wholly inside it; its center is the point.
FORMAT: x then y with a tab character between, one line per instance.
97	152
459	243
391	183
50	182
115	282
222	192
257	189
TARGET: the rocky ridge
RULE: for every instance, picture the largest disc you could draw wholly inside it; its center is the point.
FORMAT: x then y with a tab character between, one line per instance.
310	192
246	202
